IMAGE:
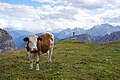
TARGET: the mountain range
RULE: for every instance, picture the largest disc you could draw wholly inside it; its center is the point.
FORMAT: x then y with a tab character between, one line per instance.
96	34
102	29
68	32
97	39
97	30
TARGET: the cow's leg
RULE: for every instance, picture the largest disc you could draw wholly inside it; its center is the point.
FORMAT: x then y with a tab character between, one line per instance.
31	60
37	62
50	54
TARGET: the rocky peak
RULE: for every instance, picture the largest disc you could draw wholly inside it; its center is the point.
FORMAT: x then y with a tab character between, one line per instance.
6	41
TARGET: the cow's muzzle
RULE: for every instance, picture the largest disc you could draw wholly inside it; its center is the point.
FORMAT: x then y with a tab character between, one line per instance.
34	50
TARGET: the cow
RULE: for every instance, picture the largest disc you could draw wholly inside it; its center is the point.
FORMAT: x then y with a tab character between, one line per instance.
36	45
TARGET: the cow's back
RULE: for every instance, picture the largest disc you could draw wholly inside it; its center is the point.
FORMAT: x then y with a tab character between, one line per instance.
44	44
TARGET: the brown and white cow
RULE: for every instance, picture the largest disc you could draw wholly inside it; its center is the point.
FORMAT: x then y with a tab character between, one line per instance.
37	45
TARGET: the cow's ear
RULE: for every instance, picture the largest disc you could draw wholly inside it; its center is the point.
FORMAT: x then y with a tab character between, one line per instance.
39	39
26	39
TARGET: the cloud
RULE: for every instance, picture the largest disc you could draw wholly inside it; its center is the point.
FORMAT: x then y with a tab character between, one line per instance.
111	16
114	3
87	4
3	23
17	10
44	14
59	14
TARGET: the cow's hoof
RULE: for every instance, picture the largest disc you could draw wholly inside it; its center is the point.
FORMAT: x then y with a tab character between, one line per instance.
37	69
48	62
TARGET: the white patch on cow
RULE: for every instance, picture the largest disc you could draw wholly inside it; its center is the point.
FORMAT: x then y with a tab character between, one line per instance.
37	67
48	56
50	51
33	42
31	66
31	60
37	62
48	33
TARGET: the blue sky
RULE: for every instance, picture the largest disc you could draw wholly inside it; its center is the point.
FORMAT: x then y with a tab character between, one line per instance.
23	2
48	15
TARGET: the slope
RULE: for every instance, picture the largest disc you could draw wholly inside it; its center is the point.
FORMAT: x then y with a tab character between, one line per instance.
71	60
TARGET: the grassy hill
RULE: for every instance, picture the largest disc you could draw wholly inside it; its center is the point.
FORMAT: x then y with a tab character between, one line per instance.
72	60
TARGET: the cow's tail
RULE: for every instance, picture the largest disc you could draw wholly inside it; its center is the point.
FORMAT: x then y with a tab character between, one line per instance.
52	40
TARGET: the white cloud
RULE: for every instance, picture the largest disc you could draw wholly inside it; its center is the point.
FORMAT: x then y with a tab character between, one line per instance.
3	23
16	25
111	16
87	4
59	14
115	3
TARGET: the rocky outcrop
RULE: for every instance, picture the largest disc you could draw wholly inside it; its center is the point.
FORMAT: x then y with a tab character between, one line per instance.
112	37
6	42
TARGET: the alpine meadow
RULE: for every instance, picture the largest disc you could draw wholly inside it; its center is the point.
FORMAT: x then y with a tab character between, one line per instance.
71	60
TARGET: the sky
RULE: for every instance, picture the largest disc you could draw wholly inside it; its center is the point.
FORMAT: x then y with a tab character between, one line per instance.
54	15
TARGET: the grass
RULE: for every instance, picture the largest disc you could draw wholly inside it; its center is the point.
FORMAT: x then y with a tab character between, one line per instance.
72	60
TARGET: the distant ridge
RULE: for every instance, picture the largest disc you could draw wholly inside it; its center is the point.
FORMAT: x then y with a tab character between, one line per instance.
94	35
97	30
97	39
102	29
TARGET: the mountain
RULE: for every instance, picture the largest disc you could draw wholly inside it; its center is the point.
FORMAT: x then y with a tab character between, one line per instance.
6	41
97	30
107	38
64	33
102	29
18	36
97	39
112	37
68	32
94	35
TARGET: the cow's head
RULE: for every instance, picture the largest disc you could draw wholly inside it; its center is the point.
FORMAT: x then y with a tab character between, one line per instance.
31	43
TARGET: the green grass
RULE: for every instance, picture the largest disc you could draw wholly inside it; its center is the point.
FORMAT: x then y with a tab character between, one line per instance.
72	60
